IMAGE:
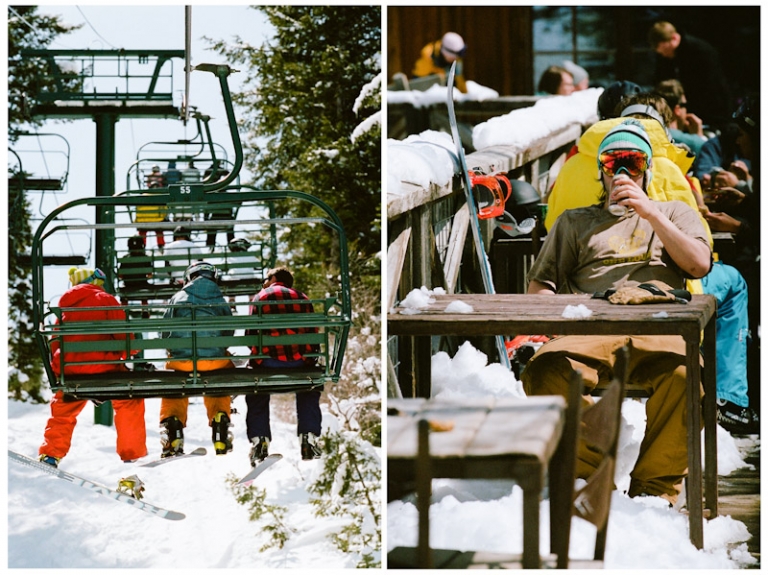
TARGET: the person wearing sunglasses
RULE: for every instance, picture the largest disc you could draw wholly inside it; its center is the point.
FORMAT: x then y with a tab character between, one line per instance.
576	186
437	58
590	250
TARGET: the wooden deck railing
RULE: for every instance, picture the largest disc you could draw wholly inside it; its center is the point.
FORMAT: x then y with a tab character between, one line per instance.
429	239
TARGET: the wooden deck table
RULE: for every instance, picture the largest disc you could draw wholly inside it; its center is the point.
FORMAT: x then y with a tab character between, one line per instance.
489	438
523	314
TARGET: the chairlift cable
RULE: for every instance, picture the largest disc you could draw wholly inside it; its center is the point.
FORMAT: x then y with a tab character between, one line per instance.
42	155
94	29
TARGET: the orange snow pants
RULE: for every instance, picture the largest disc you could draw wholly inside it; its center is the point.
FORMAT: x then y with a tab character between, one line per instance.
178	406
129	423
655	362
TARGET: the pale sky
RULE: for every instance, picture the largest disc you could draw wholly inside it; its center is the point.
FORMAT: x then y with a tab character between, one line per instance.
134	27
148	27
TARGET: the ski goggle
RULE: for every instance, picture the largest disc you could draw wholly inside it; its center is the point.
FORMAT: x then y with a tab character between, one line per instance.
634	162
491	193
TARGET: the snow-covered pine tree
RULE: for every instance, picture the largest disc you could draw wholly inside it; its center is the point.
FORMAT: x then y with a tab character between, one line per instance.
311	109
300	112
27	29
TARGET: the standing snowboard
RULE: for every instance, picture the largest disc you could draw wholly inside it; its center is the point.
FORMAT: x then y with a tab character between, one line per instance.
477	233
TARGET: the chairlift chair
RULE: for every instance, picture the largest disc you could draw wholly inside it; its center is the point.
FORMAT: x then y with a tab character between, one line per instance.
326	328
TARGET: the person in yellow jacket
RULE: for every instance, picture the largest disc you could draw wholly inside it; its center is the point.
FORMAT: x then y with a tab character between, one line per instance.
578	185
152	214
437	57
668	182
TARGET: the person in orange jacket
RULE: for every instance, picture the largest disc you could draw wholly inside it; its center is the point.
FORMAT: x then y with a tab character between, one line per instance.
87	292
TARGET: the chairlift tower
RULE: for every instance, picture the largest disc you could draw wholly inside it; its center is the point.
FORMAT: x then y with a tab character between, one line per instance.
105	86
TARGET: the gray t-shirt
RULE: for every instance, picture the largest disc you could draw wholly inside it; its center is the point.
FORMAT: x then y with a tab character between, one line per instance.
589	250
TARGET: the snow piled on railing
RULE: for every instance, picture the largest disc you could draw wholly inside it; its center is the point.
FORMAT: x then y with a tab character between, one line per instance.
420	159
429	158
439	94
521	128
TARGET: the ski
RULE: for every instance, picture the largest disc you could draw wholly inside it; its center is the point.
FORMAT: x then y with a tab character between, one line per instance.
259	469
477	233
157	462
95	487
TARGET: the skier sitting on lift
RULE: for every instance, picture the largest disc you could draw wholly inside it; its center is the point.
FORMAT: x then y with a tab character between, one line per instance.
87	292
200	289
278	296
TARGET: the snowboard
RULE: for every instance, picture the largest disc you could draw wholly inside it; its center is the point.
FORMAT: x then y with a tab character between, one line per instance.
157	462
477	232
96	487
260	468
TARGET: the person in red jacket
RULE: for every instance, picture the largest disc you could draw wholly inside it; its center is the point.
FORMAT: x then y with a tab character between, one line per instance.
87	291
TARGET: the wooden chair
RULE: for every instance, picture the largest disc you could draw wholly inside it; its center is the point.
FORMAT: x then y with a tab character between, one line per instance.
600	429
599	425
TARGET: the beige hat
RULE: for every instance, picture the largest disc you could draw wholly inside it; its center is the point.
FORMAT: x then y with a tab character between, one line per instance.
579	74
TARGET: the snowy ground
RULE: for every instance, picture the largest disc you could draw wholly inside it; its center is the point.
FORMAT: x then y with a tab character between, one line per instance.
52	523
643	533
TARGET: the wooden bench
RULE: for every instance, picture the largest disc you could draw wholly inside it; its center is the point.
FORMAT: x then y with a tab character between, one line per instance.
520	313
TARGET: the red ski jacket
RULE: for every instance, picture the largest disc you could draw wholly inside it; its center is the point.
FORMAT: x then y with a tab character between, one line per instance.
88	295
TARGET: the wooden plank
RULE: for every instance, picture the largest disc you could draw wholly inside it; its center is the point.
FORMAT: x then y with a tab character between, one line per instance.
395	260
537	431
535	314
481	428
393	389
456	248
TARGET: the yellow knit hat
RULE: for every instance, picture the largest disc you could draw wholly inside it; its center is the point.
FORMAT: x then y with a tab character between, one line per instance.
85	275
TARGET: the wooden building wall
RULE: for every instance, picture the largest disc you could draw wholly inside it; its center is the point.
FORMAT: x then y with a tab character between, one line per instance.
498	42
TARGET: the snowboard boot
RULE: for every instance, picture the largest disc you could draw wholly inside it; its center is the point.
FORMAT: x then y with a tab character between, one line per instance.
309	447
222	438
49	459
172	437
259	449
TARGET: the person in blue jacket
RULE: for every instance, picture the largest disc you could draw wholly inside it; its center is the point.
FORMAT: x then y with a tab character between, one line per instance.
199	297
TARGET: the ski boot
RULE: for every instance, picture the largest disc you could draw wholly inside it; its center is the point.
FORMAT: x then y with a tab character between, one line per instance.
222	437
132	486
171	437
309	447
49	459
259	449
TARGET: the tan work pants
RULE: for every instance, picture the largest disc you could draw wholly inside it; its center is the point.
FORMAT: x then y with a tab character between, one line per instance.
658	364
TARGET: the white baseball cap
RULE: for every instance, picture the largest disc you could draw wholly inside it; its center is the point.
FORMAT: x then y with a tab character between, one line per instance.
453	43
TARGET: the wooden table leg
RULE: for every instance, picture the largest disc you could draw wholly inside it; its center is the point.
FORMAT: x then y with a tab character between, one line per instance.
694	481
423	366
710	418
531	509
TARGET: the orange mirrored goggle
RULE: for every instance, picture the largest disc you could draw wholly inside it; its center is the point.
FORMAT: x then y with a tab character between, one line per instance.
634	162
489	194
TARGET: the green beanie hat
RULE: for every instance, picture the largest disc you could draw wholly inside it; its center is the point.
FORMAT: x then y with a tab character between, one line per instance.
629	135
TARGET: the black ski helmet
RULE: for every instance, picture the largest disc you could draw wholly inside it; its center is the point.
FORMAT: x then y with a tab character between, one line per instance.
612	95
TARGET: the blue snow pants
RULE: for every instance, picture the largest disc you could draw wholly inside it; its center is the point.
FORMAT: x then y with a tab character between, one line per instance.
732	324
